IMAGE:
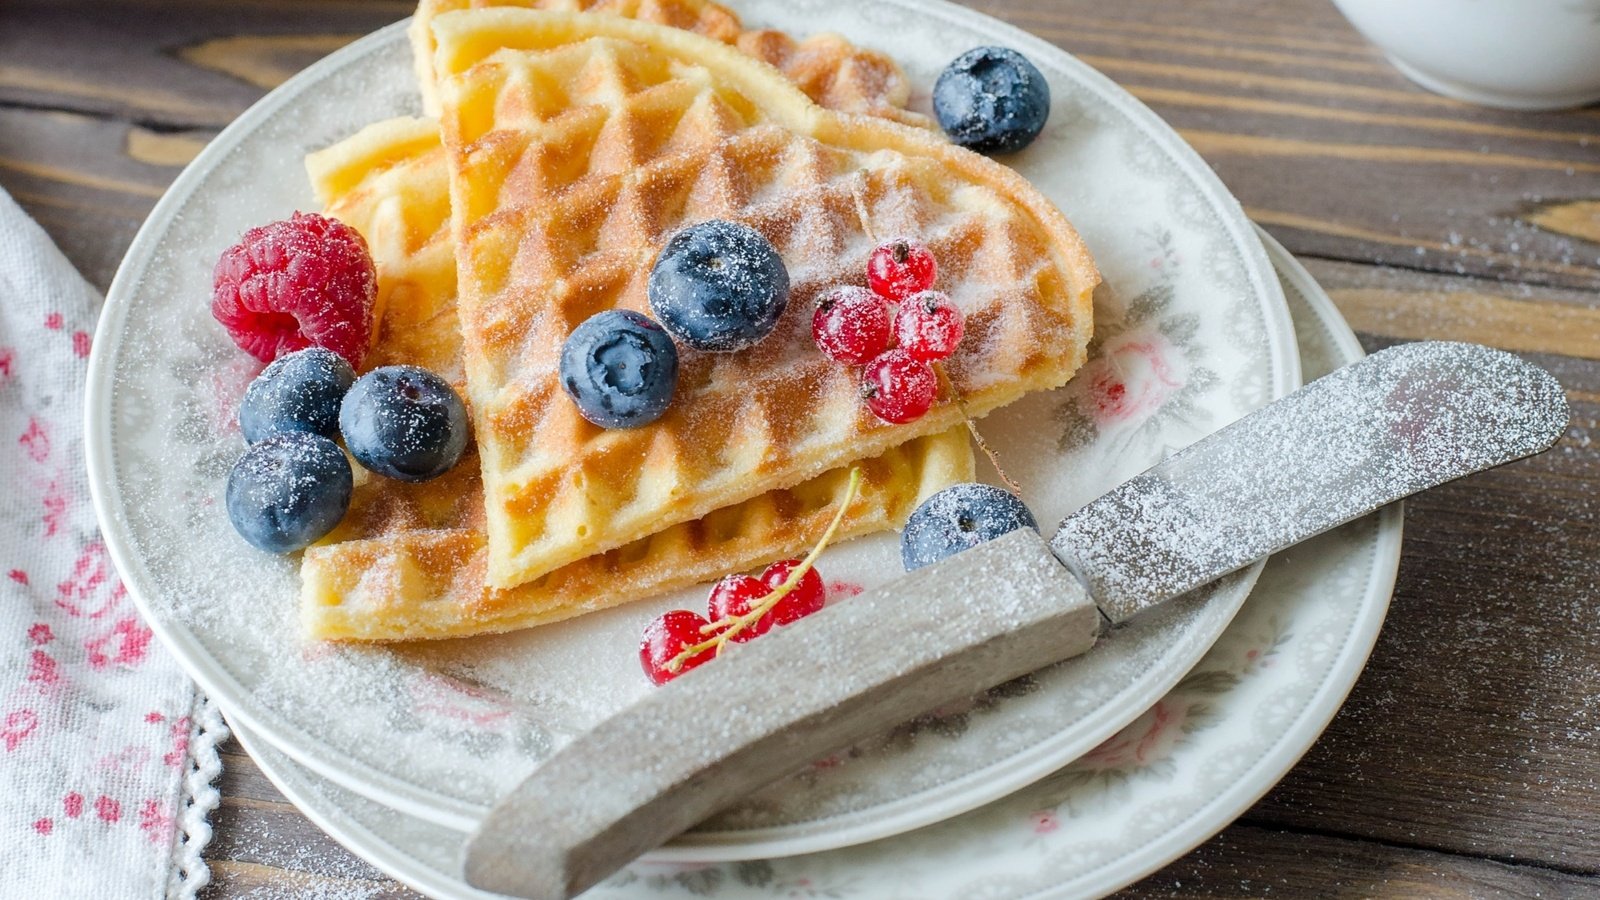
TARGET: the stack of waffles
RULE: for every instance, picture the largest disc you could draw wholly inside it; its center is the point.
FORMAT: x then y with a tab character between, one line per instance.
573	139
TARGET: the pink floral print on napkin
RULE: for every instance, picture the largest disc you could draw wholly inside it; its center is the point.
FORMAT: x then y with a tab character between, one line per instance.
85	773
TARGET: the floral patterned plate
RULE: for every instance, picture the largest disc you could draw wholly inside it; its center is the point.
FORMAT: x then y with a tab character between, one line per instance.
1177	774
1191	333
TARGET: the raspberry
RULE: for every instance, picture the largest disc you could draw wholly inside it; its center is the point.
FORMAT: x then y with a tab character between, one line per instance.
928	326
901	267
898	387
293	284
735	595
808	595
851	325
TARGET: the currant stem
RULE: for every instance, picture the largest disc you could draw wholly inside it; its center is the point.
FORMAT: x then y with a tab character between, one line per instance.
732	625
857	194
994	458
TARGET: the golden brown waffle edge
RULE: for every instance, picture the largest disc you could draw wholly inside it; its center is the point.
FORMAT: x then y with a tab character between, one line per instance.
430	583
828	68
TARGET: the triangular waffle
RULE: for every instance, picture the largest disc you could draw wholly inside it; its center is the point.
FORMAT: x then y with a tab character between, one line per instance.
829	69
408	561
579	143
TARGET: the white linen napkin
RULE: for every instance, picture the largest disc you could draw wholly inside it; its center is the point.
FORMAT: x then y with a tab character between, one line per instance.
107	750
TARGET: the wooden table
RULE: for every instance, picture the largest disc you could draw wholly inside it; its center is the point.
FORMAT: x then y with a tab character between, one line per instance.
1467	759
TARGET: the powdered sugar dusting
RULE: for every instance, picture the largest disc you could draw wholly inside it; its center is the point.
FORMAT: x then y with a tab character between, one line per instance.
374	715
1401	421
1032	613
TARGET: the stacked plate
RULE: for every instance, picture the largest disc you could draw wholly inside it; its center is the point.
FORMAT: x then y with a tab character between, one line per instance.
1075	780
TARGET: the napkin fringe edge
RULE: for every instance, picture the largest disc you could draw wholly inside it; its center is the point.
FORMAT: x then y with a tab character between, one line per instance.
189	872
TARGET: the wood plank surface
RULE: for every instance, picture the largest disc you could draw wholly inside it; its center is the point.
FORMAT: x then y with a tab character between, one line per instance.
264	848
188	63
1251	861
1466	761
1322	141
79	177
1332	149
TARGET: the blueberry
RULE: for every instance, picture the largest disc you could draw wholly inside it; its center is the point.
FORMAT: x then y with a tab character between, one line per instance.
719	286
299	391
404	422
959	518
620	368
288	490
992	100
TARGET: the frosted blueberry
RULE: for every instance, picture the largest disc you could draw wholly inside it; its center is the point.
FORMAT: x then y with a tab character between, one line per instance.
404	422
299	391
620	368
958	518
288	490
719	286
992	100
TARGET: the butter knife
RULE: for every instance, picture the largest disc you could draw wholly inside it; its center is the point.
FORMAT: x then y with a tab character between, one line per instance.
1397	422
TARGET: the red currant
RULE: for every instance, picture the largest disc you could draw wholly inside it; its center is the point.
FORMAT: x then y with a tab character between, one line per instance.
901	267
928	326
851	325
898	387
734	595
667	636
806	598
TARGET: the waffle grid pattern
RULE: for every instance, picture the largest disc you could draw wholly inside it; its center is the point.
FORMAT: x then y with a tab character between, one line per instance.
580	143
409	560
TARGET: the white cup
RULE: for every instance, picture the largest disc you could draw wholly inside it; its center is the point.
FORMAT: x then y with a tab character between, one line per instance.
1513	54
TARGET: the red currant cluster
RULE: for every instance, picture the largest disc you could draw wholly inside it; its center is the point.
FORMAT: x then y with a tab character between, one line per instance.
857	326
741	608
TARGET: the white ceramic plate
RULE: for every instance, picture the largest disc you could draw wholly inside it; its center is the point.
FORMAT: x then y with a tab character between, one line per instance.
1191	332
1180	772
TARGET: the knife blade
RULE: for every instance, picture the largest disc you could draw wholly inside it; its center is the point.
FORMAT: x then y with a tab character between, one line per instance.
1398	422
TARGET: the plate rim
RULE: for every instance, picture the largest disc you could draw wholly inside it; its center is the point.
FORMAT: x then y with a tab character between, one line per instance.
1199	827
103	489
1232	802
812	835
1020	769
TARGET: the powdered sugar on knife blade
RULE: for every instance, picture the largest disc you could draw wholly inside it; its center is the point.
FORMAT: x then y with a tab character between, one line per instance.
1401	421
